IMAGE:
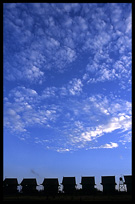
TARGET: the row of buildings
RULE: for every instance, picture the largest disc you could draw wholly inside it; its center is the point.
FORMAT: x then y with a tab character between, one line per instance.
51	185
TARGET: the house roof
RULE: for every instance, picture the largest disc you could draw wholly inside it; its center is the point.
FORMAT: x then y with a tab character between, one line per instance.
10	181
69	180
108	180
88	180
30	181
128	179
50	181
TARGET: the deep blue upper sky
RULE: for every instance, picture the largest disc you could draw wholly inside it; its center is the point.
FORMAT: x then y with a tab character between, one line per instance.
67	89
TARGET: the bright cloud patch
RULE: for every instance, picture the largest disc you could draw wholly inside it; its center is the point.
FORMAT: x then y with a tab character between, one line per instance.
77	122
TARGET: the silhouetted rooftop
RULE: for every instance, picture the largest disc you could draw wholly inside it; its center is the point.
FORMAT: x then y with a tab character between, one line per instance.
69	180
30	181
128	179
88	180
10	181
108	180
50	181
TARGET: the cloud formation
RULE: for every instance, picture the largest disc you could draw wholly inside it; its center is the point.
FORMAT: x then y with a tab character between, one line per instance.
78	123
67	72
61	36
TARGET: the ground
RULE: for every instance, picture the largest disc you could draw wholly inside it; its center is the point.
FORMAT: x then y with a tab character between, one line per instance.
69	198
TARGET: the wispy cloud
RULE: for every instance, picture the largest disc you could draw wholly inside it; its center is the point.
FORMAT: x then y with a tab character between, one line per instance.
49	92
119	70
106	146
75	86
92	133
125	138
79	121
34	74
63	150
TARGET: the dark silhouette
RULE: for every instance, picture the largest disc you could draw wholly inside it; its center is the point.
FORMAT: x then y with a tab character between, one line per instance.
128	182
108	183
69	185
51	191
88	184
50	186
10	186
29	186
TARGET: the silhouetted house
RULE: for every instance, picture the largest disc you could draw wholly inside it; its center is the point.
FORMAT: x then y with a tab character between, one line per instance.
10	185
69	185
29	185
88	184
128	182
50	185
108	183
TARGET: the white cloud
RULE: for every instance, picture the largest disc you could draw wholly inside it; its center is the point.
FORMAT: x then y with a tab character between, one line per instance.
129	24
126	138
49	92
115	123
51	43
75	86
33	74
79	125
23	112
106	146
82	23
71	54
103	116
56	46
48	40
63	91
78	122
67	7
63	150
110	146
121	70
13	121
101	40
68	21
22	94
92	67
106	74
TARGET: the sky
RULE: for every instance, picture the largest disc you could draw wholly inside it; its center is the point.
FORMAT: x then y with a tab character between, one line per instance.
67	90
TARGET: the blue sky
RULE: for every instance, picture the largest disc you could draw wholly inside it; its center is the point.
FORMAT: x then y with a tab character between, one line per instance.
67	90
